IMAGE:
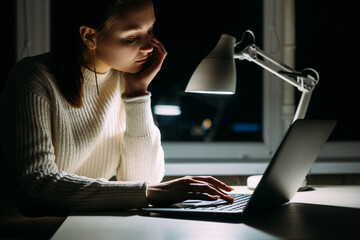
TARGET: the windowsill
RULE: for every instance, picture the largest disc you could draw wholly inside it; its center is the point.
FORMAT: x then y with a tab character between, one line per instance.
253	167
220	160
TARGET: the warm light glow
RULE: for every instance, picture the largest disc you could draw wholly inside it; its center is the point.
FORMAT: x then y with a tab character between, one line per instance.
207	123
167	110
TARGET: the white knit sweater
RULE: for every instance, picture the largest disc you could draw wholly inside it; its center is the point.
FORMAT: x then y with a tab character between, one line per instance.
62	157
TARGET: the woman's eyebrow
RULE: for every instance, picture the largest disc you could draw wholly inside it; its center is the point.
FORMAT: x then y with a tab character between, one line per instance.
131	30
138	28
135	29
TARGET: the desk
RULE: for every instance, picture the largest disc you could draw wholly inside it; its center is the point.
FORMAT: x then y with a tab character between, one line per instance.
324	212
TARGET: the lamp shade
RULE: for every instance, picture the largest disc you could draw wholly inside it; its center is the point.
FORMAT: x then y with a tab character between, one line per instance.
216	73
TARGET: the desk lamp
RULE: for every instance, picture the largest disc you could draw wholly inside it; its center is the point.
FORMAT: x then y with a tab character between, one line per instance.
216	74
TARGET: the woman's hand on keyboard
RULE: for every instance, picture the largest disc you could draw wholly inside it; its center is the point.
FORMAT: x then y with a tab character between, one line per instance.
178	190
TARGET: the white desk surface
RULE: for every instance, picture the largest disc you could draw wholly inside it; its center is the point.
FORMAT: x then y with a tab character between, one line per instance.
325	212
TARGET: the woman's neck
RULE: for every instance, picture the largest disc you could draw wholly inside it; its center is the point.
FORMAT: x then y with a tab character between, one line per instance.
93	63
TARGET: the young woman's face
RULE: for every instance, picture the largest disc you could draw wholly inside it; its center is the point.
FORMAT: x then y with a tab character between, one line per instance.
127	45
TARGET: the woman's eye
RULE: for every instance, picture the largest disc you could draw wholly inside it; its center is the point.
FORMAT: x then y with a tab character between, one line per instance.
151	31
131	39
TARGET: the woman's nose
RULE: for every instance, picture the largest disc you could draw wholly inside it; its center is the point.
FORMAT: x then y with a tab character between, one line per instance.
147	47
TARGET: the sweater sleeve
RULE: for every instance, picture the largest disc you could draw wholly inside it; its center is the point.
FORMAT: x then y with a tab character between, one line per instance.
27	144
142	157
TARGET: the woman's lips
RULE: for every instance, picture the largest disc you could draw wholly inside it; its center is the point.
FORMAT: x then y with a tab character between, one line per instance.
142	60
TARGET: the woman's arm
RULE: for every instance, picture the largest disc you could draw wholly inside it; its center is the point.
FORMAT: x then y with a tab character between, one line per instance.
29	150
142	157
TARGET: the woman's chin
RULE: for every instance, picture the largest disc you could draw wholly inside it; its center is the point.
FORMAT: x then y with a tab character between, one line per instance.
133	70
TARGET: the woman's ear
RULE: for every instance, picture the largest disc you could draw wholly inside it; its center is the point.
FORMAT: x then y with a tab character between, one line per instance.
88	36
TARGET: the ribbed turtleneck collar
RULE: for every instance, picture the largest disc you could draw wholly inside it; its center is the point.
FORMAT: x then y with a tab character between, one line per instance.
89	76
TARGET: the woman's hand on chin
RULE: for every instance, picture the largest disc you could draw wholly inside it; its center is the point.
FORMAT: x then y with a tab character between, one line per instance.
136	84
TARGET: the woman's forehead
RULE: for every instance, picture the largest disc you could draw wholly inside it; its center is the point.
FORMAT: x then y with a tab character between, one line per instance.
135	18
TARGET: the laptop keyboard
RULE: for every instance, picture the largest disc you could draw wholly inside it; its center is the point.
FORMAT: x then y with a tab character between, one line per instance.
220	204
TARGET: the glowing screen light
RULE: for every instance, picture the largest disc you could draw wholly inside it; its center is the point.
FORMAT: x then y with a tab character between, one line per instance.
167	110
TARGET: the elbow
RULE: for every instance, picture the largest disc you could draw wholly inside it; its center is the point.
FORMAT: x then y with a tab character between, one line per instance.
30	200
30	206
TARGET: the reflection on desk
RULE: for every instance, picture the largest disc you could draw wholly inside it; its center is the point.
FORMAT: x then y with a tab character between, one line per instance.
324	212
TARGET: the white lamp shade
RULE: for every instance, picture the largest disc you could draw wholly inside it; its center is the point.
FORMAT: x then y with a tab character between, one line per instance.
217	72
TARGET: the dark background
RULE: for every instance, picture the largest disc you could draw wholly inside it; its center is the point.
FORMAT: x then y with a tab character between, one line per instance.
328	40
7	40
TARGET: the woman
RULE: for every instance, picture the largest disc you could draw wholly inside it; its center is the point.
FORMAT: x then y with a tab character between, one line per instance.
80	114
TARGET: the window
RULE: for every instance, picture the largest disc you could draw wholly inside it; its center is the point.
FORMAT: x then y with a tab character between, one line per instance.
213	127
190	30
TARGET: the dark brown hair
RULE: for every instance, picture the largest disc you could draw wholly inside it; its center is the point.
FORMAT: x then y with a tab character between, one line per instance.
67	45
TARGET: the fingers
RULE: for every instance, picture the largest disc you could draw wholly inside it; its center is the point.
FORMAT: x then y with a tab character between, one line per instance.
205	185
156	60
159	50
156	43
202	187
177	190
215	182
201	196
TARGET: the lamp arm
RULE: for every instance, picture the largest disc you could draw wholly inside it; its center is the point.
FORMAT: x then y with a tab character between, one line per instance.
302	81
302	106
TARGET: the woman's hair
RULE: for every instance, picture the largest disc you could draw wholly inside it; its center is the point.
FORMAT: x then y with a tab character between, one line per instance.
67	45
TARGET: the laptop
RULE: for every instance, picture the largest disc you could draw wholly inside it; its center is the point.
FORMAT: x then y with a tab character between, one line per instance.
282	178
